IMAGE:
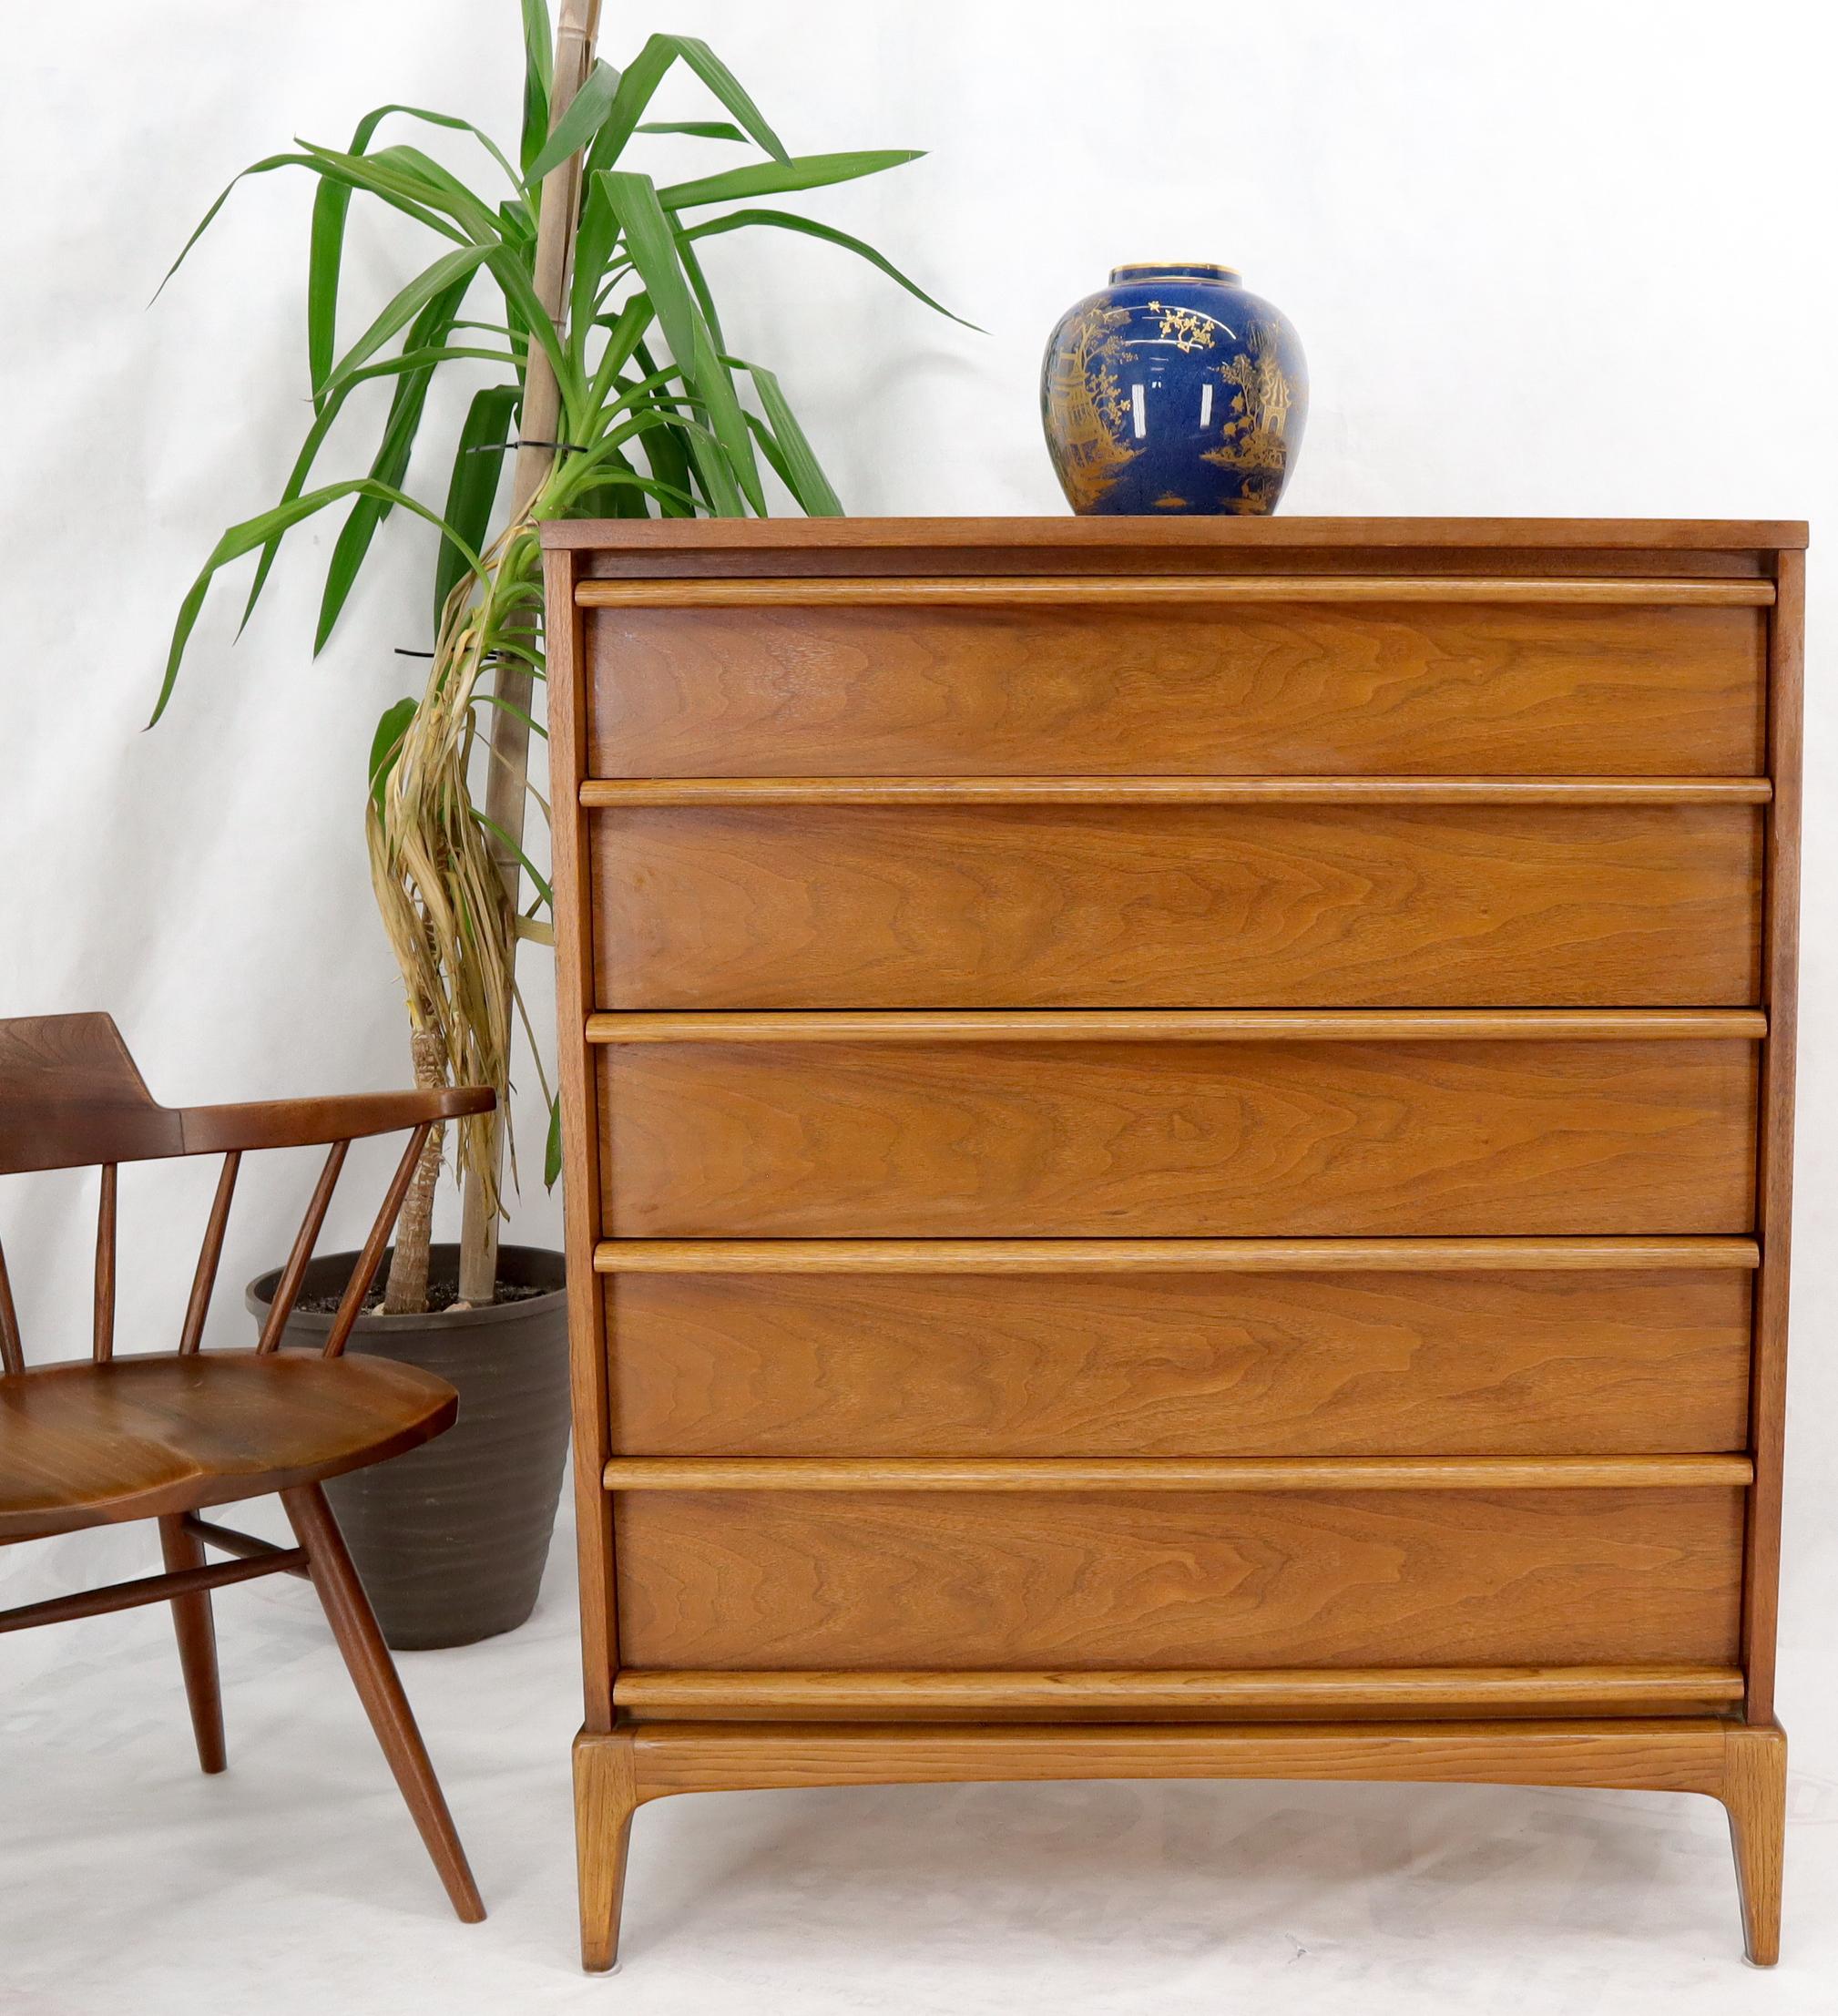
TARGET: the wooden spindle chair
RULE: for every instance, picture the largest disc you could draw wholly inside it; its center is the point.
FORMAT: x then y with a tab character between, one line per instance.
92	1441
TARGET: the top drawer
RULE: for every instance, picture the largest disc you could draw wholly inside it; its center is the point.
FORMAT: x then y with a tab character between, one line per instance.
1097	677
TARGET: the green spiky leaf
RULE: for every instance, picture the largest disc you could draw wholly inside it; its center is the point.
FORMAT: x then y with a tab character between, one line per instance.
474	486
385	746
390	464
256	532
731	473
700	129
773	177
639	85
538	79
579	124
804	473
788	221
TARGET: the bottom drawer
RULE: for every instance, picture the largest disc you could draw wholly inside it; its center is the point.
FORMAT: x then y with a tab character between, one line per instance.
791	1580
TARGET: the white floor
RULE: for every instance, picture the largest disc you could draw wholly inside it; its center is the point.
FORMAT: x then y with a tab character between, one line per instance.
130	1885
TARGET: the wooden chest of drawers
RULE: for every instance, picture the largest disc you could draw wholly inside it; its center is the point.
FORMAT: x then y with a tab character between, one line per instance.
1178	1144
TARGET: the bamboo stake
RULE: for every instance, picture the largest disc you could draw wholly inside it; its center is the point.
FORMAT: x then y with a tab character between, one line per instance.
505	795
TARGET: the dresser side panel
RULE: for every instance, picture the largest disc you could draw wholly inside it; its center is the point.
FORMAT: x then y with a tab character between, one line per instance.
1774	1193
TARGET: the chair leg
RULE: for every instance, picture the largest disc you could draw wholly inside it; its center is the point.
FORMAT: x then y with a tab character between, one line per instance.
196	1646
373	1673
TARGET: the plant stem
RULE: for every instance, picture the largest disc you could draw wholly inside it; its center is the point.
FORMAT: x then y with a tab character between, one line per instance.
406	1294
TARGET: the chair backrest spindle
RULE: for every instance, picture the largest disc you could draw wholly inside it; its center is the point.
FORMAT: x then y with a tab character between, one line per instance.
104	1348
287	1289
208	1256
370	1258
12	1349
71	1097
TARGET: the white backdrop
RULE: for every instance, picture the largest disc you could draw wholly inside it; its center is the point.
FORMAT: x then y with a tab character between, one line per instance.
1572	260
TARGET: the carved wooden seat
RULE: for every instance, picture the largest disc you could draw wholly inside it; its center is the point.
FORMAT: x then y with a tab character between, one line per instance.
94	1441
140	1438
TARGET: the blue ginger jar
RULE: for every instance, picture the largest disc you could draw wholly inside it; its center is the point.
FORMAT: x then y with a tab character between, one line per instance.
1173	391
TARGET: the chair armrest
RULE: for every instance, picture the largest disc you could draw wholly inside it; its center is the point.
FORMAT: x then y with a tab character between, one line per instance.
309	1122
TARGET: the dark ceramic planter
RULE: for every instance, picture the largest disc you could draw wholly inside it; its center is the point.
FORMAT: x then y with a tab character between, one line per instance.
450	1538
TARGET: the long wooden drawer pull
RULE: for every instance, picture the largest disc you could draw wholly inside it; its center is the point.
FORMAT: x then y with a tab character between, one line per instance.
1176	1025
1343	1473
1008	591
688	1694
1082	1256
626	794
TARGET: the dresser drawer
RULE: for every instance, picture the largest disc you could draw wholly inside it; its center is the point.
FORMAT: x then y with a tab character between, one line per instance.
813	1354
785	1579
959	902
1016	1127
1411	686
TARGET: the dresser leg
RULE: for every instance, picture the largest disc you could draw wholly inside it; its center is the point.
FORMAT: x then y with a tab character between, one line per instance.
1754	1795
605	1798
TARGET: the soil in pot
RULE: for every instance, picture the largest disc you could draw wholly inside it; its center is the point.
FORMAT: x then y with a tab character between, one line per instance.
442	1295
450	1538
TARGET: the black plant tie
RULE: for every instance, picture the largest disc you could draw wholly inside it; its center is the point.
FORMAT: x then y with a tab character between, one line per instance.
503	447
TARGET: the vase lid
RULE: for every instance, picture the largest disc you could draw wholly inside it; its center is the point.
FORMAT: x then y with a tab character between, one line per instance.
1171	268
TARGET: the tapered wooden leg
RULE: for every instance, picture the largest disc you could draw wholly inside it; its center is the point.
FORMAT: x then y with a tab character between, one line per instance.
373	1673
1755	1797
605	1798
196	1646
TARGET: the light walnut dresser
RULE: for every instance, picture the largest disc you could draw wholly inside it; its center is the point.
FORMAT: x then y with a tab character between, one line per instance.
1177	1144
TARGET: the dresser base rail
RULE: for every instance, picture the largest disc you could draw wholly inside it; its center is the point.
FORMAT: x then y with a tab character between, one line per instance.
1744	1767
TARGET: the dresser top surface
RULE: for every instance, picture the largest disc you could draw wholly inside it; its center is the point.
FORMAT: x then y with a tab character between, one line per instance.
662	537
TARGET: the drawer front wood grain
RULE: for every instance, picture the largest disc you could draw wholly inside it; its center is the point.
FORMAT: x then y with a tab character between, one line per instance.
988	1139
1407	688
785	1580
1122	907
945	1364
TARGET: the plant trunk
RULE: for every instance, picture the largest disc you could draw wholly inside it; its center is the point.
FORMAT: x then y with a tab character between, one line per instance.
478	1252
406	1294
510	738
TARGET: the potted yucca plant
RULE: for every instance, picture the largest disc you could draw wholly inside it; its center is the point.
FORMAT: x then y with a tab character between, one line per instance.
577	279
